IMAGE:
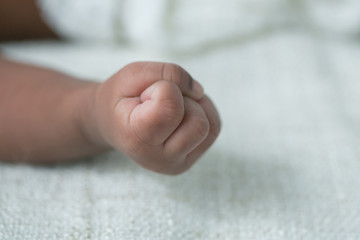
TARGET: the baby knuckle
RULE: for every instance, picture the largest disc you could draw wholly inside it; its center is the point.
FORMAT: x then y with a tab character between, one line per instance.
132	67
172	109
129	71
215	128
174	167
137	146
201	126
175	73
162	166
167	69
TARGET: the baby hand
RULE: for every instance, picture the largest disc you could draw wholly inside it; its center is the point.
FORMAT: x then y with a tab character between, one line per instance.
157	115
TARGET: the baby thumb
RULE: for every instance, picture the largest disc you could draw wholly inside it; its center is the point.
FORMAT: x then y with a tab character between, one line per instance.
160	112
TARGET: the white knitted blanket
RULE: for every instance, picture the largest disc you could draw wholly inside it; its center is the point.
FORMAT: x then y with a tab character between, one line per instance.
286	165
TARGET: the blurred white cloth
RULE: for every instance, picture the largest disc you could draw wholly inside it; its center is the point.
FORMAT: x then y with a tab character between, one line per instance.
175	24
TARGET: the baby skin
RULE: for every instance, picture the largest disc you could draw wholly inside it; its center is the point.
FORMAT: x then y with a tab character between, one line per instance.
155	113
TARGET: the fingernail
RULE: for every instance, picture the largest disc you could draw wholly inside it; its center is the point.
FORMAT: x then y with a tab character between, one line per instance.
198	89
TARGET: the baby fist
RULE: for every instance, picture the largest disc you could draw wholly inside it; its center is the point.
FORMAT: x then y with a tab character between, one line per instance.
157	115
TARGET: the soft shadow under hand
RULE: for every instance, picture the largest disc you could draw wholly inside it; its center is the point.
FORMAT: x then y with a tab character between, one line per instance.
224	185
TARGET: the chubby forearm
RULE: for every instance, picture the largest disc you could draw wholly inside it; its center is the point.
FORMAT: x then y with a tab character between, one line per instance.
153	112
45	116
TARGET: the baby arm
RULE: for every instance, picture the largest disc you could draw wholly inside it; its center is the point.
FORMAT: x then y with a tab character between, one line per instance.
158	115
40	114
153	112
